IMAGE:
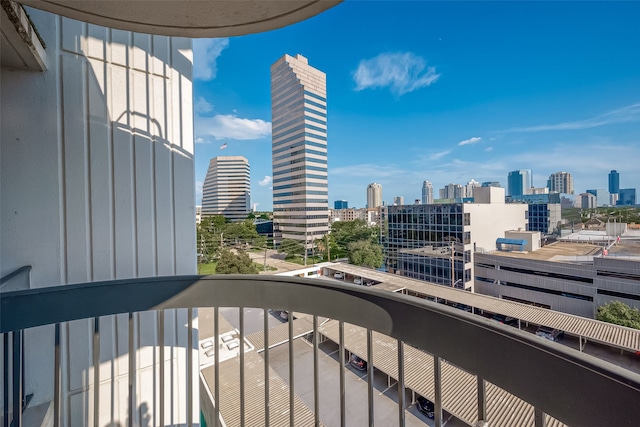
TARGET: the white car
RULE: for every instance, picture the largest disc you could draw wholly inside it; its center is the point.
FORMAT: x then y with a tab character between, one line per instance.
338	276
357	281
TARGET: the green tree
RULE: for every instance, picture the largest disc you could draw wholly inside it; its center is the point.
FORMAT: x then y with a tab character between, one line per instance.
620	314
365	253
291	248
240	232
208	237
235	263
345	232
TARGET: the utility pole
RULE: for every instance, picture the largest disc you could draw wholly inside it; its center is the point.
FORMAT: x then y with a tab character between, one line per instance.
305	248
264	267
453	283
326	237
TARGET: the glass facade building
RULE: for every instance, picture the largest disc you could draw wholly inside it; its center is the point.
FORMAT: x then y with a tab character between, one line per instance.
614	182
340	204
627	197
429	242
518	182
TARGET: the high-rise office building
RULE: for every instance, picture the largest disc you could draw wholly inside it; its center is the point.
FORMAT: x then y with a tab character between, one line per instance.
627	197
614	182
427	193
398	200
490	184
560	182
603	197
471	185
227	188
518	182
340	204
374	195
299	150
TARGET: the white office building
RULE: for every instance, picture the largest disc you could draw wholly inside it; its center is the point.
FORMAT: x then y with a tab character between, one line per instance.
299	150
227	188
560	182
374	195
427	193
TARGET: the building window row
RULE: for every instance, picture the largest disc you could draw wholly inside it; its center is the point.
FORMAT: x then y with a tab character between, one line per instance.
302	184
301	209
301	193
288	202
300	135
304	176
304	151
300	168
313	95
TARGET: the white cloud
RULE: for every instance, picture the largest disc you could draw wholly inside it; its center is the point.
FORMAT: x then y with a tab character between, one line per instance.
470	141
437	156
202	106
200	140
367	170
223	126
630	113
265	181
205	54
488	149
402	72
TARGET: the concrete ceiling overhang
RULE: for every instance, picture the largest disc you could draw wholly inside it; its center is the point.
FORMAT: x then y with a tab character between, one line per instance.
200	18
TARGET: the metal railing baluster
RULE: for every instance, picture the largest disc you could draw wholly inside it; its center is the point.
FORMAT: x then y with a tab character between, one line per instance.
161	380
266	367
57	376
17	378
343	412
291	372
437	389
132	366
316	375
539	417
216	340
370	377
241	347
482	399
190	366
401	390
96	371
5	378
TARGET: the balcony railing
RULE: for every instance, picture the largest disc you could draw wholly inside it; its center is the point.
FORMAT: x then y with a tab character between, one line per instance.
562	385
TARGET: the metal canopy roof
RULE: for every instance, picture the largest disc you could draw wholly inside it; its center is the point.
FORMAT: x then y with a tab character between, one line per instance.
589	329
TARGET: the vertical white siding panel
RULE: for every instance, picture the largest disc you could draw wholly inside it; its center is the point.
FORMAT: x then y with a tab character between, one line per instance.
139	98
97	42
75	168
100	169
107	373
148	366
79	357
185	215
187	111
164	210
140	51
160	57
122	178
144	207
120	47
169	366
157	108
72	34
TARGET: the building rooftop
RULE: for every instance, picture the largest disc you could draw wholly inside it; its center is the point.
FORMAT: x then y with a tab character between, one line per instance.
553	251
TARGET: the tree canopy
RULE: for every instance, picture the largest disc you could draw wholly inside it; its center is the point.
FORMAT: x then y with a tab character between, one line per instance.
344	233
620	314
235	263
365	253
291	248
216	232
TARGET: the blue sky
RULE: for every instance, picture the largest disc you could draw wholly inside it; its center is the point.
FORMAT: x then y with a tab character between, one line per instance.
438	91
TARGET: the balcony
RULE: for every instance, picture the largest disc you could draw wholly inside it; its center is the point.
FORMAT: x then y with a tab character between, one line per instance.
471	367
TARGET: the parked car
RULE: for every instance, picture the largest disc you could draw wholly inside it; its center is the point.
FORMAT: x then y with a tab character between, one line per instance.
425	406
511	321
358	363
357	281
550	333
338	275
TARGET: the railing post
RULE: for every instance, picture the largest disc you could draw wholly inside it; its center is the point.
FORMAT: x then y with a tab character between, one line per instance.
401	405
5	377
216	340
437	388
17	378
161	357
96	371
482	399
131	376
370	377
343	409
241	347
316	375
539	417
291	372
190	367
57	376
266	367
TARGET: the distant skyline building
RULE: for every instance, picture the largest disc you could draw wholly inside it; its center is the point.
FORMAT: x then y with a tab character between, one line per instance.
427	193
603	197
518	182
490	184
587	201
227	188
470	187
398	200
614	182
340	204
374	195
299	150
560	182
626	197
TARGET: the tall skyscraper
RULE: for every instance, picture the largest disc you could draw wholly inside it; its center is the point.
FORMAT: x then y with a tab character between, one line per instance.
299	150
627	197
614	182
518	182
470	186
560	182
227	188
398	200
427	193
374	195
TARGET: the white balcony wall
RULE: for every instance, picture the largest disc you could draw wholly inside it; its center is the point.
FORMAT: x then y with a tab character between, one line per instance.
97	183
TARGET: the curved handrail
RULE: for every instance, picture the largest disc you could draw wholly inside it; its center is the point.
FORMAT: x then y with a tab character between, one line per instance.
574	388
14	273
